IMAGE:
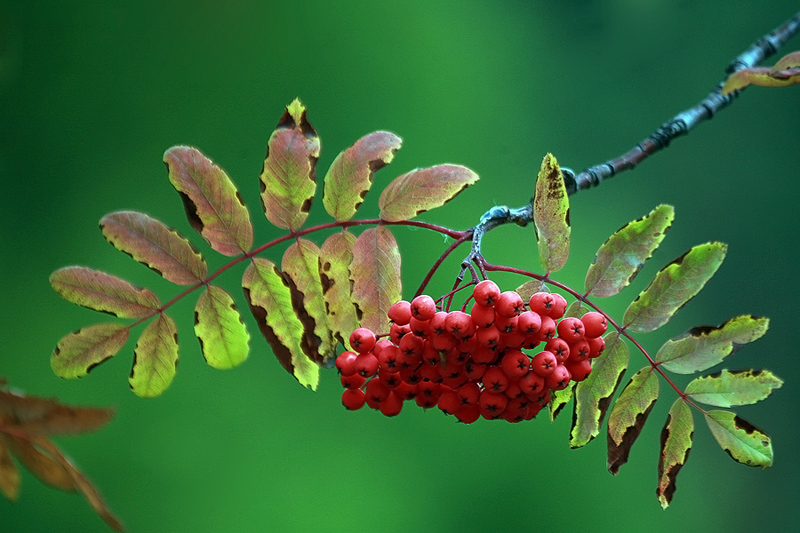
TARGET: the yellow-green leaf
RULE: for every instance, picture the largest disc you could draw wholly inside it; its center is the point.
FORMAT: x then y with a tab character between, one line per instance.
551	215
103	292
350	176
559	399
728	388
620	258
80	351
676	443
744	442
673	287
155	358
270	301
335	257
223	336
629	414
375	273
289	175
762	77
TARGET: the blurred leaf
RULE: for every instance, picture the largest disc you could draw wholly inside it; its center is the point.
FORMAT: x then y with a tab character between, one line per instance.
271	304
223	336
676	443
728	388
78	352
289	175
551	215
744	442
761	76
375	273
629	414
103	292
335	257
349	177
40	416
673	287
9	475
703	347
155	358
212	203
39	464
622	256
790	60
560	398
593	395
156	245
423	189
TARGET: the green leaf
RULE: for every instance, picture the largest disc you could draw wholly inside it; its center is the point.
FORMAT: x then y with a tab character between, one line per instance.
223	336
593	395
703	347
728	388
560	398
551	215
629	414
9	474
673	287
335	257
575	310
289	175
529	288
375	273
423	189
301	263
676	443
155	358
156	245
623	255
270	301
80	351
212	203
103	292
349	177
744	442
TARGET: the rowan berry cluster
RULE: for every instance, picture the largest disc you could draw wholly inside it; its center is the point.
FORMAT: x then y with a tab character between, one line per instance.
474	364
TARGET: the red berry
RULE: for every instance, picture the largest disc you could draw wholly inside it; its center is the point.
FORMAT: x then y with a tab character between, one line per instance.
548	329
400	312
484	355
468	413
492	404
411	345
391	406
488	337
389	358
494	379
449	402
579	350
531	383
437	323
513	390
353	399
376	392
559	306
474	370
345	363
423	307
571	329
406	391
469	393
515	364
460	325
397	332
558	379
486	293
544	363
390	379
579	370
541	303
506	325
596	346
356	381
595	324
509	304
366	364
362	340
420	328
482	316
558	347
529	322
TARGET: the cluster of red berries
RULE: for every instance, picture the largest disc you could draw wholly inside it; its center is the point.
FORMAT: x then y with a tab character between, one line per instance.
472	365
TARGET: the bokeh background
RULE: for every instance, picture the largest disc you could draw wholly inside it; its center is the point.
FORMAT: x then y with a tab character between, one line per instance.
92	93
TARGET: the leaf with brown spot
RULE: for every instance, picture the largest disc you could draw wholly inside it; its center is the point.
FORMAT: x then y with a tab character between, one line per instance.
350	176
375	272
155	358
744	442
629	414
289	175
423	189
676	443
728	388
153	243
80	351
212	203
335	257
219	328
551	215
100	291
271	304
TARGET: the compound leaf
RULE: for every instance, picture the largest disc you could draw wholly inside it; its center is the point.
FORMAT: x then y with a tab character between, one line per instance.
423	189
349	177
629	415
551	215
78	352
301	263
744	442
9	474
622	256
156	245
155	358
676	443
335	257
673	287
212	203
289	175
223	336
375	273
270	301
593	395
40	416
728	388
103	292
705	346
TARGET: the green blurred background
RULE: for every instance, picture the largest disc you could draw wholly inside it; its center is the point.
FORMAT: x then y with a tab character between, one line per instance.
92	93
